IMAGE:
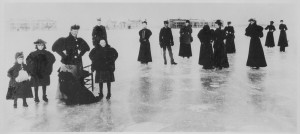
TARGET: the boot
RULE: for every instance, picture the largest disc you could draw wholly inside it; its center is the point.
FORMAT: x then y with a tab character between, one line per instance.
108	96
45	98
36	99
100	96
173	63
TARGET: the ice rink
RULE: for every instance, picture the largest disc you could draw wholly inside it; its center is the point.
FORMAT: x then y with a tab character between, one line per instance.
165	98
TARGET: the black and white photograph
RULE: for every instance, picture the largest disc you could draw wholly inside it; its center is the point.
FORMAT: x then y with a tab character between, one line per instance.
149	66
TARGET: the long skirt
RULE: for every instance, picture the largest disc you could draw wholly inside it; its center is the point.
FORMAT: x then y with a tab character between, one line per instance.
256	56
145	53
230	45
282	41
185	50
220	55
206	56
270	40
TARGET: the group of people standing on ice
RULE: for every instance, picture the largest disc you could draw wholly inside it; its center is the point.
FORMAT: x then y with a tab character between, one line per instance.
215	44
282	41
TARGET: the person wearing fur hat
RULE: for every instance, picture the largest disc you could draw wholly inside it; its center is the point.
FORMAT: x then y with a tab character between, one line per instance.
270	38
40	64
186	39
229	31
166	41
19	84
282	41
145	49
220	53
256	56
103	58
99	33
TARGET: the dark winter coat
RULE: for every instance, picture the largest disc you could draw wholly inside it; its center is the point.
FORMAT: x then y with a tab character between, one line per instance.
229	43
99	33
145	50
72	46
256	57
282	37
220	53
185	38
205	36
19	89
103	58
40	64
165	37
270	38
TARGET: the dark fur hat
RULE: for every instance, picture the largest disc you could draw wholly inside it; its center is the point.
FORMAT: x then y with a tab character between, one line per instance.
187	21
252	19
75	27
166	22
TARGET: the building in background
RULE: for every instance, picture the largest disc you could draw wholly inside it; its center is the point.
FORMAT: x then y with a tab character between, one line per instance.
31	25
196	23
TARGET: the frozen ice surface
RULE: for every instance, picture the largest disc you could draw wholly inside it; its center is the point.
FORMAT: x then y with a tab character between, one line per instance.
162	97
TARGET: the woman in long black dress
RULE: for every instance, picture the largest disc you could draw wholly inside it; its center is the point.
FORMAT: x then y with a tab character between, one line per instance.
270	38
205	36
256	57
230	45
186	38
40	63
220	53
282	42
145	49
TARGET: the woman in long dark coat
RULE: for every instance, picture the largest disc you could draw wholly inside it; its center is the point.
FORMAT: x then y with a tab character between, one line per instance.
205	36
220	53
256	57
103	59
145	49
19	84
229	43
270	38
282	42
186	39
40	63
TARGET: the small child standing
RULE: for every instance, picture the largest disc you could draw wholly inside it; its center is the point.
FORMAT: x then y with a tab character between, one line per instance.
103	58
19	84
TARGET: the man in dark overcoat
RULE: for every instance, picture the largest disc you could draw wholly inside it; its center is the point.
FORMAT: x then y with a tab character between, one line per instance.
166	41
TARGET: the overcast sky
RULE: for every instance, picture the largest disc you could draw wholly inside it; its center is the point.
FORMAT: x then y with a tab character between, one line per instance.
85	14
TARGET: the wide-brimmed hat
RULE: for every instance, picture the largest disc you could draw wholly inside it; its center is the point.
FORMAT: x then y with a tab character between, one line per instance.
75	27
40	41
144	22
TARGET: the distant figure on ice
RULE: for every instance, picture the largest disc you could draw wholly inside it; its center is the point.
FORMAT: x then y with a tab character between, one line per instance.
40	64
103	59
19	84
206	55
145	50
220	53
230	45
71	74
185	39
270	38
99	33
282	42
256	57
166	41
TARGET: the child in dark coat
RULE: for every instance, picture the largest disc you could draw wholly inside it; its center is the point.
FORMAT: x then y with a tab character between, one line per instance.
103	58
19	84
40	63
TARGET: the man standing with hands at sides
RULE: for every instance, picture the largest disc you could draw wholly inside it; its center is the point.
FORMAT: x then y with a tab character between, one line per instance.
166	41
145	50
99	33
